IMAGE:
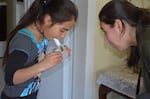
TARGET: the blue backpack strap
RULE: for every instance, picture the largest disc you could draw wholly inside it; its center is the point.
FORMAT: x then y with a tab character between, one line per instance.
40	45
28	33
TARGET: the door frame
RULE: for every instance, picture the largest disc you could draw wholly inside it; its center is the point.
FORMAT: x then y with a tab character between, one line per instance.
83	57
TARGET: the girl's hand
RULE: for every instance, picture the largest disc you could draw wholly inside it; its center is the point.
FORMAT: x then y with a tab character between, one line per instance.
51	60
67	50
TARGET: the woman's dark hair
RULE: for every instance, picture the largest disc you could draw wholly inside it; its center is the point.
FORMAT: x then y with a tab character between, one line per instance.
125	11
59	10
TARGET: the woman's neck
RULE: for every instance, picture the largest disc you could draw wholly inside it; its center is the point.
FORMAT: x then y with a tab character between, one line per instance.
132	32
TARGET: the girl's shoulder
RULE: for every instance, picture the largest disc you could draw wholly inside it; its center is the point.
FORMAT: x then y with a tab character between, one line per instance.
26	32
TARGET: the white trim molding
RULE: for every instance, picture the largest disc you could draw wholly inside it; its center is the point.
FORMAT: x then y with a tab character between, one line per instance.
84	37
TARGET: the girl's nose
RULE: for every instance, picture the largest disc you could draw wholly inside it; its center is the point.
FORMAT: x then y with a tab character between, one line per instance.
63	35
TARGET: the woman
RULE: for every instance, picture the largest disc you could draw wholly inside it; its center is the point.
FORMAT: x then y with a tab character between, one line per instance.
44	21
127	26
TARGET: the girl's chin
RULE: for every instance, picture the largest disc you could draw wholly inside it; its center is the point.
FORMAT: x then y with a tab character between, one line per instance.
50	39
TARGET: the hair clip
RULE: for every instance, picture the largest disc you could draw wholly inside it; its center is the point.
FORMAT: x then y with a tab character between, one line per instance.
45	1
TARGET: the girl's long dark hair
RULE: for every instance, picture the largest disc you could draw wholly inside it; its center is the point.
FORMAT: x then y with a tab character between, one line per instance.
124	10
59	10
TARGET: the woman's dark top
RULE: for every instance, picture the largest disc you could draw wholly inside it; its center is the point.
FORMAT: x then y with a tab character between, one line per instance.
143	44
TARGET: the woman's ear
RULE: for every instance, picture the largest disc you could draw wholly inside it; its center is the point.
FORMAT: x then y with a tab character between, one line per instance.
118	26
47	20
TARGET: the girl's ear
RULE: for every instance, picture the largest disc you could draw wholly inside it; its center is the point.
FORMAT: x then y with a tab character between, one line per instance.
47	20
118	26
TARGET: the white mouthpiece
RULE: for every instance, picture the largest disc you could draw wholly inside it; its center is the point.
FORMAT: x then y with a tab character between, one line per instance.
57	42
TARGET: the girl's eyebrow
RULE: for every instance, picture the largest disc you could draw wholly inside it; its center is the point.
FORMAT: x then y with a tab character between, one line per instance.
65	29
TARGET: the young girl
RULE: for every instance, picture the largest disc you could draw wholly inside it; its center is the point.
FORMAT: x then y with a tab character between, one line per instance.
44	21
124	26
